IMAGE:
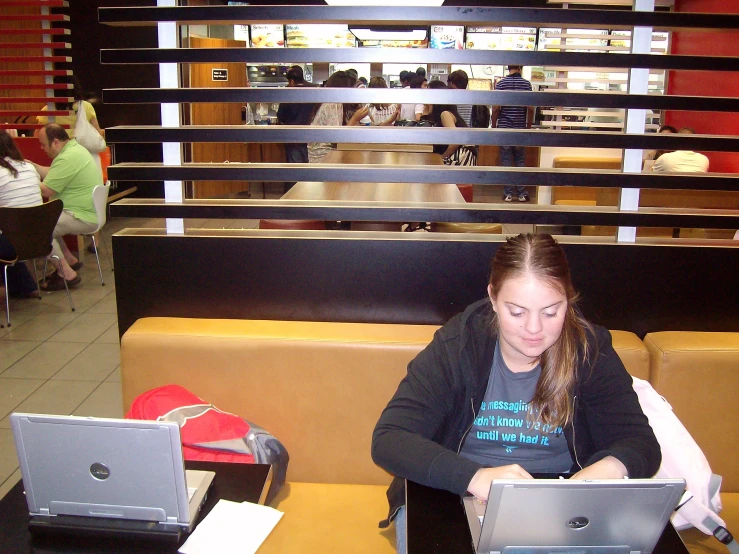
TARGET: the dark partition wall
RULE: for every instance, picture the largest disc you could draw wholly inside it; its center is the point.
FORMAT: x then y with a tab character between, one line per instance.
388	278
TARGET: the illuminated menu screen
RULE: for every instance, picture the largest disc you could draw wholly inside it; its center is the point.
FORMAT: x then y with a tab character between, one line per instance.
500	38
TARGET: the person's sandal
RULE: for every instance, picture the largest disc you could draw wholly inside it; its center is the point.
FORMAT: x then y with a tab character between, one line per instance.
55	282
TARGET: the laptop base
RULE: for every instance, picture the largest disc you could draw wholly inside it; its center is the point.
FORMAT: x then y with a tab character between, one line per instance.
105	527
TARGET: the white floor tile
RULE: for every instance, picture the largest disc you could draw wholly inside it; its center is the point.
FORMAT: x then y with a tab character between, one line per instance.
44	361
105	401
111	336
12	351
41	327
86	328
57	397
94	363
13	392
10	482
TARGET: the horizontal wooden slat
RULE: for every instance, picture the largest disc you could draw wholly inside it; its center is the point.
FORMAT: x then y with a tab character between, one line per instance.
35	45
413	56
42	99
380	15
29	59
424	211
478	175
33	17
418	135
427	96
54	31
25	126
16	113
38	3
32	72
36	86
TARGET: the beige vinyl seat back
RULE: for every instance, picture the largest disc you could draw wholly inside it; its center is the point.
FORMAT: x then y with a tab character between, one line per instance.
698	374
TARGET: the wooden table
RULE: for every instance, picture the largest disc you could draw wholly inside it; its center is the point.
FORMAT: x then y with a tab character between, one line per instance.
377	192
386	147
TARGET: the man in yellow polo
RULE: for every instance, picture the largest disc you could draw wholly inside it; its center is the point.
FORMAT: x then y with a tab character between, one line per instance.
71	177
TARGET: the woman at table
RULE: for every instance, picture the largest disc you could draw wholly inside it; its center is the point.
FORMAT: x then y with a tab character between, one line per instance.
20	187
519	383
334	114
446	115
382	114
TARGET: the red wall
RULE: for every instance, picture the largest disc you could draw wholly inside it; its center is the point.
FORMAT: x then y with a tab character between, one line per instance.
707	83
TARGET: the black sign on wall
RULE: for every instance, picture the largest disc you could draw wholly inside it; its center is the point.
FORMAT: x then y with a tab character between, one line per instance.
220	74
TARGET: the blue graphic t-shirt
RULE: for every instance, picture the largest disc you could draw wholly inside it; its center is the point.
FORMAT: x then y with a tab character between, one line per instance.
501	434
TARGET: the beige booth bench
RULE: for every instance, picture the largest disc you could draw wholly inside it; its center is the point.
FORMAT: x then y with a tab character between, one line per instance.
318	387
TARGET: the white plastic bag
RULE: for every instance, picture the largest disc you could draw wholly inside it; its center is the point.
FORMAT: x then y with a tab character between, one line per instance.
682	458
86	134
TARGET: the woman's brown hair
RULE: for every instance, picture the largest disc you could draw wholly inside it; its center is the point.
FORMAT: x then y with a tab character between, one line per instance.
542	257
339	79
8	149
378	82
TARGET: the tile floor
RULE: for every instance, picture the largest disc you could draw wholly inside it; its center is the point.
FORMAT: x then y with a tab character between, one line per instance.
53	360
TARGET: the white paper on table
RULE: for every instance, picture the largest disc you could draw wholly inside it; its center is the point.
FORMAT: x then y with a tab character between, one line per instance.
232	527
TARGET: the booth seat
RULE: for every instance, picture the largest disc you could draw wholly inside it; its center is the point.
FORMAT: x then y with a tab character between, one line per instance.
320	388
698	374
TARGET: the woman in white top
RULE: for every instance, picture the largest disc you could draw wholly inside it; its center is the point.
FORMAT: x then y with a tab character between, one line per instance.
19	188
382	114
334	114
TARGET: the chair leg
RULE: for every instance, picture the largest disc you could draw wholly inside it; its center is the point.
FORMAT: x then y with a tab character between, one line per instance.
80	248
35	278
64	278
7	296
100	271
46	262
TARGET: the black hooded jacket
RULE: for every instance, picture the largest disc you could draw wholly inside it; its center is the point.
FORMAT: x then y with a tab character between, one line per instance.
422	429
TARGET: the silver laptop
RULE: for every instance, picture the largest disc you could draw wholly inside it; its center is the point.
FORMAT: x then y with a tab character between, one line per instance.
95	470
542	516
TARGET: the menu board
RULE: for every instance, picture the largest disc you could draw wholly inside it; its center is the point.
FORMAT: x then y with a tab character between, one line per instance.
501	38
447	37
395	43
319	36
267	36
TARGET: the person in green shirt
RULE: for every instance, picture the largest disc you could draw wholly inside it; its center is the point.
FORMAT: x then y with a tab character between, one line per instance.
71	177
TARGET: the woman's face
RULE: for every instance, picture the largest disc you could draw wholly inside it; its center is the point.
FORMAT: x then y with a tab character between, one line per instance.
531	315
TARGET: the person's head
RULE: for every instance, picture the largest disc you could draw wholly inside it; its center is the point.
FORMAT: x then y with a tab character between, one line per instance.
458	79
404	77
9	151
435	110
534	301
421	71
377	82
295	77
53	138
362	80
515	69
669	129
686	131
341	79
418	82
353	72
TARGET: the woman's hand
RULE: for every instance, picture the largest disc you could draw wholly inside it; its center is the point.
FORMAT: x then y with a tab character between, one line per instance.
480	484
391	120
607	468
360	114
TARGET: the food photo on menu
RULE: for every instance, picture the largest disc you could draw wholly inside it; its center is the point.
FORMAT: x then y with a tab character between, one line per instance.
267	36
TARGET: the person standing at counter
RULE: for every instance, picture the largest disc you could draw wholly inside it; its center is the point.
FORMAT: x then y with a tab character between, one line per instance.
519	383
334	114
295	114
513	117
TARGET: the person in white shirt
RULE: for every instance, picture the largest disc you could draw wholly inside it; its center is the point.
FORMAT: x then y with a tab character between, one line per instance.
19	188
681	161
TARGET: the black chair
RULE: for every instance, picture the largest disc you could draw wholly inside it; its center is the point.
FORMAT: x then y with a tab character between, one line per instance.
30	232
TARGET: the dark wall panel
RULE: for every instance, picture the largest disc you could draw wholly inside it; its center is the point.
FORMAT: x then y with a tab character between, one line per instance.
417	280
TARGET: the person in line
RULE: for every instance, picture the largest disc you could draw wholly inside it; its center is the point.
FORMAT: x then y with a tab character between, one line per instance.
421	71
382	114
446	115
681	161
334	114
71	178
458	80
20	187
295	114
513	117
412	112
71	120
519	383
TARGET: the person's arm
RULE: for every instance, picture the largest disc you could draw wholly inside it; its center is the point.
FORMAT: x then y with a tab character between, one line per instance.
448	120
418	111
46	192
624	443
94	123
391	120
494	116
402	440
357	116
42	170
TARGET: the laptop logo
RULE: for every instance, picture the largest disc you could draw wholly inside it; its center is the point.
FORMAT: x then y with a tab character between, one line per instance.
578	523
99	471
